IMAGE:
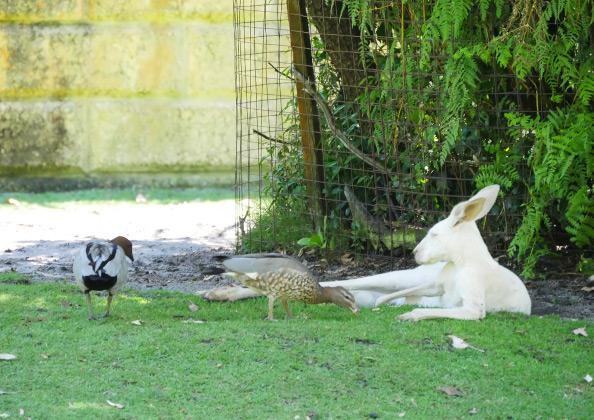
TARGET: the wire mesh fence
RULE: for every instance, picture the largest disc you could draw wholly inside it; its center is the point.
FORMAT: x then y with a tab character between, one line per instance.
354	137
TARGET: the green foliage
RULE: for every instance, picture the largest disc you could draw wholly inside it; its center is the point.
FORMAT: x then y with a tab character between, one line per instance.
319	240
502	166
316	241
275	227
561	187
465	93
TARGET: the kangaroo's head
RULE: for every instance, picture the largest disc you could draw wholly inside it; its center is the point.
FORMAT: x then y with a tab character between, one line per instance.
457	235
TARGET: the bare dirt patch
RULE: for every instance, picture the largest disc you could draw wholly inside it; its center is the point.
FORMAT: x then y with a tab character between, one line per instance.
173	243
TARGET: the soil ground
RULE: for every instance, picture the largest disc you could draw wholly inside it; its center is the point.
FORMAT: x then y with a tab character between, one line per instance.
173	243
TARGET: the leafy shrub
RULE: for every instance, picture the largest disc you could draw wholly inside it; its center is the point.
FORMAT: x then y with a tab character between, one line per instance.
462	94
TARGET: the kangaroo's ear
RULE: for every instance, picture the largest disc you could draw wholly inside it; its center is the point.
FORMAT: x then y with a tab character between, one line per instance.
477	206
490	195
473	209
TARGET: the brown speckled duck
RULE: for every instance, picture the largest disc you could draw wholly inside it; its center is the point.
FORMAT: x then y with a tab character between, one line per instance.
102	265
282	277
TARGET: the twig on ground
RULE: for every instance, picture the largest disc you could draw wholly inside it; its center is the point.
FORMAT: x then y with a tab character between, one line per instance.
48	275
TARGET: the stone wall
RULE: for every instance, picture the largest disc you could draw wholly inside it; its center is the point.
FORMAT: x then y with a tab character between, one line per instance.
108	86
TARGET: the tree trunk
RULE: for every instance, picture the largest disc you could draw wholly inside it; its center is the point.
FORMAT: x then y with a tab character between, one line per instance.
309	121
341	41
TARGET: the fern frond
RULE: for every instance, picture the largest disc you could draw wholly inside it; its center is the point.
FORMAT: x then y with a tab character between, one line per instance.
586	87
580	216
483	7
460	13
499	8
558	7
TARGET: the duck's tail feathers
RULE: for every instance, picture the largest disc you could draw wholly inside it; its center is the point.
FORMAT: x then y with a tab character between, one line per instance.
100	254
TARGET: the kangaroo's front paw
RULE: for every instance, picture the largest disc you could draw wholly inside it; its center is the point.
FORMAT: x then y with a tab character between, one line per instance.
409	316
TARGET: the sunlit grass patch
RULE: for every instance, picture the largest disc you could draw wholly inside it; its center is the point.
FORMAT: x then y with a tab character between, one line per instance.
115	196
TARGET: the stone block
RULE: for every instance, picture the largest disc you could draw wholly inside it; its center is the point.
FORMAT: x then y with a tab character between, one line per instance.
35	60
137	58
215	11
82	60
116	135
41	135
211	65
27	10
137	134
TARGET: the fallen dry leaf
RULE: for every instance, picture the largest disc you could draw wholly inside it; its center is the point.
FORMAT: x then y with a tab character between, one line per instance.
7	356
140	198
13	201
137	322
4	416
587	289
458	343
193	307
6	393
472	411
116	405
401	414
451	391
588	378
580	331
194	321
65	303
21	412
51	276
45	356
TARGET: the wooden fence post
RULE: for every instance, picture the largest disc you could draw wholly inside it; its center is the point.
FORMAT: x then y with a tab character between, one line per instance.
309	121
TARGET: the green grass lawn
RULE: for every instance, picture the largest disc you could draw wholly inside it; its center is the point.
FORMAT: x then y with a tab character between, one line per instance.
116	196
325	364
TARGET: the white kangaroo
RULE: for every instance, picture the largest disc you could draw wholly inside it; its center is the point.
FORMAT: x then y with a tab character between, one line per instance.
457	274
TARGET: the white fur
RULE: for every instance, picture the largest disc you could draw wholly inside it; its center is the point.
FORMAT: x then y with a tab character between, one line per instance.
456	273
